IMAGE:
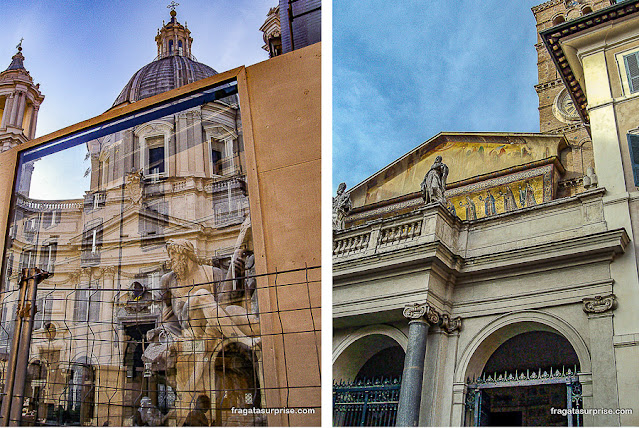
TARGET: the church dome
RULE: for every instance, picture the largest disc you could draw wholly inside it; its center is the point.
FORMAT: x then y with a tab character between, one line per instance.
173	67
163	75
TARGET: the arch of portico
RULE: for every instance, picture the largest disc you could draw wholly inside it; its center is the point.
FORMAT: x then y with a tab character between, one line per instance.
482	346
350	354
477	353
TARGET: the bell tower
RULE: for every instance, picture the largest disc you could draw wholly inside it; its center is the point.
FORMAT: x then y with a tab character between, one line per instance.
20	101
557	114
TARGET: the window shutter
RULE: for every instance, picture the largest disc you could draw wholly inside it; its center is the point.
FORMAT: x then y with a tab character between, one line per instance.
48	308
37	321
633	143
94	305
46	220
632	70
80	311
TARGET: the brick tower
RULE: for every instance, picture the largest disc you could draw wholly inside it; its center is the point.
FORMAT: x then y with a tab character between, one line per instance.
557	114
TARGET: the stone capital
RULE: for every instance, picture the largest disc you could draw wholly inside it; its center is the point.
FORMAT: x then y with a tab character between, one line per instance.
599	304
422	310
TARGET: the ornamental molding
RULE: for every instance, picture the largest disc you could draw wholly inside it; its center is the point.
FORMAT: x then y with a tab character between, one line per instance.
134	187
564	109
599	304
450	325
423	311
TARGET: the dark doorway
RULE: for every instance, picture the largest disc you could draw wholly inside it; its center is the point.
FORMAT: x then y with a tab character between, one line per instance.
526	406
386	364
505	419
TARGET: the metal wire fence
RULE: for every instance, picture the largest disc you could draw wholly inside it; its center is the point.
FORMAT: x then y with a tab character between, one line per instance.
116	352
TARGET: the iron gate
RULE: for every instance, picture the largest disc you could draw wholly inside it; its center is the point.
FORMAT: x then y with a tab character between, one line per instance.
366	402
478	401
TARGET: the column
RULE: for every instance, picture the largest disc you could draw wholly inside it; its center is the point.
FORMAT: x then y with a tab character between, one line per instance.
21	107
421	317
14	106
34	120
7	111
604	373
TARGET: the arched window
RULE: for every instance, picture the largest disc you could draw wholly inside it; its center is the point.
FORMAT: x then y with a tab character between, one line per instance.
558	20
180	47
586	10
170	47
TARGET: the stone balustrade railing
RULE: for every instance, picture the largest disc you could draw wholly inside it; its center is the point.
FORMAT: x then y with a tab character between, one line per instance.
400	232
351	244
377	237
48	206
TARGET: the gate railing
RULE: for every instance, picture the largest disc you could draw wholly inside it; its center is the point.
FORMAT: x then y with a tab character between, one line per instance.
366	402
475	405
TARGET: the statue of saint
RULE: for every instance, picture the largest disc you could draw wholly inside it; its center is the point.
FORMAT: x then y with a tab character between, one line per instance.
434	184
341	206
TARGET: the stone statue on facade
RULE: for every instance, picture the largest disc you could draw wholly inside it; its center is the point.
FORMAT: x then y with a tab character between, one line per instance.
434	184
197	297
341	206
149	415
196	304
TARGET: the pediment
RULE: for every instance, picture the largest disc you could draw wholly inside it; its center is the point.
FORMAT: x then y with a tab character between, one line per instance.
468	155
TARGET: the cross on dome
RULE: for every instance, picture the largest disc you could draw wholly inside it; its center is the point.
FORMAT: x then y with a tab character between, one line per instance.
173	5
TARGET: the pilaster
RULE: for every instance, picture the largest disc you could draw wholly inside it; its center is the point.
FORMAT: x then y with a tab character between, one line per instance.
604	373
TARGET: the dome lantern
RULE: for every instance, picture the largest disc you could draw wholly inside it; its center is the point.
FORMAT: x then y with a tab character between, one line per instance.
173	38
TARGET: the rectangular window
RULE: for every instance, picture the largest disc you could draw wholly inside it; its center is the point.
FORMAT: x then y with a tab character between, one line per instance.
43	316
631	62
7	327
216	157
50	219
219	157
633	144
28	259
98	242
47	256
92	243
156	156
87	304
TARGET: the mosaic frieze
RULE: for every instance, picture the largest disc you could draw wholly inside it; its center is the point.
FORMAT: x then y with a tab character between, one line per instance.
484	198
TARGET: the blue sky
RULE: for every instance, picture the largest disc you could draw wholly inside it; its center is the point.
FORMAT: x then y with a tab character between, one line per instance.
83	52
405	71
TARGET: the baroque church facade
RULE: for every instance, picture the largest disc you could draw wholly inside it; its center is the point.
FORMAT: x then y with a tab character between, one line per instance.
512	299
166	202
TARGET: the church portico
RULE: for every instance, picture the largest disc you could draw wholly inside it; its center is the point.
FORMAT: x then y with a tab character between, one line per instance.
539	269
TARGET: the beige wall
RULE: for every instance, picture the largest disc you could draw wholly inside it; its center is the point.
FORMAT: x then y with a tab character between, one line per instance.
283	152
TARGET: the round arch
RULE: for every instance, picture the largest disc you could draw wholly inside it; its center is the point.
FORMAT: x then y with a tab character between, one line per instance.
482	346
350	355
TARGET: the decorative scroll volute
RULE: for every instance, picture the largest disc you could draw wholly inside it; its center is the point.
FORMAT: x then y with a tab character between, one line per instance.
416	310
599	304
422	310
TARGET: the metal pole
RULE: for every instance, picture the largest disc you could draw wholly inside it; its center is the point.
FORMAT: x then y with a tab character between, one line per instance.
13	358
14	399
